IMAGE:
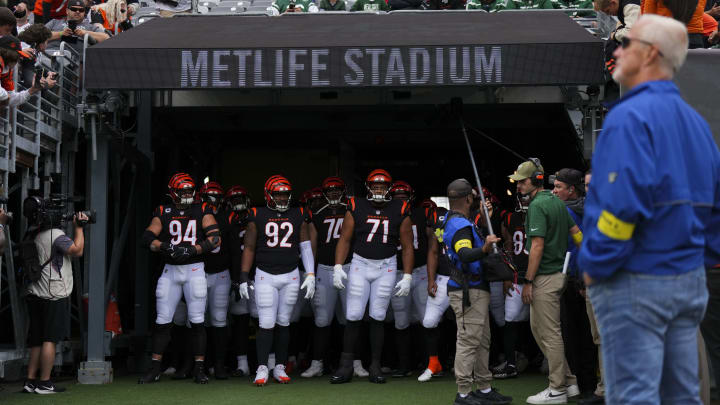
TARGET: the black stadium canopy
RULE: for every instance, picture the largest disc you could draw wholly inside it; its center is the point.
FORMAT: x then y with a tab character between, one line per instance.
348	50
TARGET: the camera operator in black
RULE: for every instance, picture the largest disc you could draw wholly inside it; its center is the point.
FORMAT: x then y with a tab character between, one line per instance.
47	298
182	232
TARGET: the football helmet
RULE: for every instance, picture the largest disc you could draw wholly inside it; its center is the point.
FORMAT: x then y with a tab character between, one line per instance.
428	203
400	186
522	202
315	198
211	193
378	184
333	188
181	189
237	198
278	193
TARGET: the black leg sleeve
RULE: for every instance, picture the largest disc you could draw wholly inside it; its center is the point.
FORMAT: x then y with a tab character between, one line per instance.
402	345
352	331
432	339
320	342
282	343
510	337
161	338
377	335
264	342
199	339
240	333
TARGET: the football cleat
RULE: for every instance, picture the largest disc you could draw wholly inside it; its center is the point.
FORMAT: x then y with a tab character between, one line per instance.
240	373
344	372
261	377
315	369
153	375
199	375
375	374
426	376
280	375
358	370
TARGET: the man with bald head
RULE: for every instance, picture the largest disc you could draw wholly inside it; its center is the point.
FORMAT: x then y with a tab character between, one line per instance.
655	192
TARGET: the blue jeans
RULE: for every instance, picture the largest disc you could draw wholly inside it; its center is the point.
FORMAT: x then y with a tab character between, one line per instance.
648	329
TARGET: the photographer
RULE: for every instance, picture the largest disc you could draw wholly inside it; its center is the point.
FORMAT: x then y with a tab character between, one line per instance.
73	28
10	53
36	36
48	295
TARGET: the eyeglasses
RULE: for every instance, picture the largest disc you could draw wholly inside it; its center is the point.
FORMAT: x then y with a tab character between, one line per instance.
626	41
76	9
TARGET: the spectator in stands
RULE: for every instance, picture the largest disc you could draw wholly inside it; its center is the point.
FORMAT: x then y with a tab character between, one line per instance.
443	5
712	8
526	4
292	6
627	12
107	15
370	5
487	5
687	12
710	29
10	53
333	5
47	10
62	31
21	17
36	38
8	22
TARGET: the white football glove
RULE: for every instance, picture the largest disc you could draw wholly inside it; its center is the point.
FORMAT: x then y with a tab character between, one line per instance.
338	276
244	291
403	286
309	285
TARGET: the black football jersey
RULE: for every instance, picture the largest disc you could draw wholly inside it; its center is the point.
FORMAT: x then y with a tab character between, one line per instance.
328	223
182	227
435	218
377	228
419	224
515	224
277	250
234	241
219	260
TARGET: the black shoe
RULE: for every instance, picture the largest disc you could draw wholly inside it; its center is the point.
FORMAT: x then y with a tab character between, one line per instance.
47	387
199	375
509	371
240	373
493	397
344	372
468	400
220	372
592	399
153	374
400	373
29	387
376	376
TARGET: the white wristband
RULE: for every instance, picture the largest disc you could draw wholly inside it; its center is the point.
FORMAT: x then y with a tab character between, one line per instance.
337	267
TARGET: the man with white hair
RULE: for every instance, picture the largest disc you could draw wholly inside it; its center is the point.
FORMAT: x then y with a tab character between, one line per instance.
656	190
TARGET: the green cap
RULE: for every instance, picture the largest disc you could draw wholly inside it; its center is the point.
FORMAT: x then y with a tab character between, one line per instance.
525	170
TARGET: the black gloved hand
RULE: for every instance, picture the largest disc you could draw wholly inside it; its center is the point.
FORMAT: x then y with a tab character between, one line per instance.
178	253
235	290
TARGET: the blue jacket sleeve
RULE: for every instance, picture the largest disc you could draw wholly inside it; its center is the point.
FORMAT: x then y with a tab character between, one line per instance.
620	196
712	230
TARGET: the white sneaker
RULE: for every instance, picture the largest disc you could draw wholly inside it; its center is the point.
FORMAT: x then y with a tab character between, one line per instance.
169	371
426	375
358	369
280	375
315	369
572	390
261	377
548	397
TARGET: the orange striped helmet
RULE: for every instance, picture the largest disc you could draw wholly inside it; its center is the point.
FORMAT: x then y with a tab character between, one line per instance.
382	177
211	193
277	186
181	189
237	198
401	186
333	188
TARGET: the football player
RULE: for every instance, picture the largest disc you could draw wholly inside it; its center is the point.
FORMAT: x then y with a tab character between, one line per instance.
438	270
217	269
375	225
237	201
324	234
412	306
516	312
275	238
182	232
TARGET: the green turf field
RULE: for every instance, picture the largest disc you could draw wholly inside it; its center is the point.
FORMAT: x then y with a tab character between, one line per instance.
404	391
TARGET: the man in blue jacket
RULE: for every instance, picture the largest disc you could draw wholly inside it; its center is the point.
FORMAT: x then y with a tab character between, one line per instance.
656	175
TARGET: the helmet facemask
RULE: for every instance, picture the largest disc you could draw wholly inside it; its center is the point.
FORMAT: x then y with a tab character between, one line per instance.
280	200
185	195
378	192
239	203
334	195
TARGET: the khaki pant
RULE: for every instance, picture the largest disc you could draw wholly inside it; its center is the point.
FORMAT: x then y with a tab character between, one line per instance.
545	326
473	340
600	390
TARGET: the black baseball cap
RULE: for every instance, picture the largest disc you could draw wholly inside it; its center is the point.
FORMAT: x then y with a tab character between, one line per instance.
76	3
570	176
12	43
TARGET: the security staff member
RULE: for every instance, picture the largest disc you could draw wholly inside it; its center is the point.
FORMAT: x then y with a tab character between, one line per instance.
548	225
469	298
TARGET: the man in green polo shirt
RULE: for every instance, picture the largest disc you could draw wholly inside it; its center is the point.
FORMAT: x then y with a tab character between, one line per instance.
547	226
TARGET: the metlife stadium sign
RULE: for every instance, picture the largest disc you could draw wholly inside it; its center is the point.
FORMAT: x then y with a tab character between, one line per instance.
348	51
340	67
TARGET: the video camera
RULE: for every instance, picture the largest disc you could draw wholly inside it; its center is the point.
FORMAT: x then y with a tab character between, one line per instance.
52	212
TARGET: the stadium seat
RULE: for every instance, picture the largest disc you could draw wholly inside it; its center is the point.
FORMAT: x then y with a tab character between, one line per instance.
228	10
238	4
258	8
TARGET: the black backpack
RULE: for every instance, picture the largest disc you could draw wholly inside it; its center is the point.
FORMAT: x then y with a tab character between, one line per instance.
30	260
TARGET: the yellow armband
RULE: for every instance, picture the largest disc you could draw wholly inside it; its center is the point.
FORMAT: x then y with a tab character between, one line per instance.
463	243
577	238
614	227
